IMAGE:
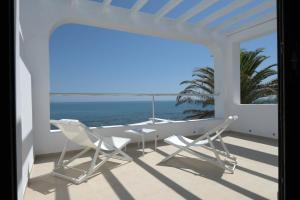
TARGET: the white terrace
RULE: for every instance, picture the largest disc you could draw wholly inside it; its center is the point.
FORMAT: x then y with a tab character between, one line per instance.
37	19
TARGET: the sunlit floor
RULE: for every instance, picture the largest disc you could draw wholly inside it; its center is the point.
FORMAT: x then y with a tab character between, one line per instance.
181	177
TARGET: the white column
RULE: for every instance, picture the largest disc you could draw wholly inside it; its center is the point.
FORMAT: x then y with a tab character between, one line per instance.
233	73
227	77
219	81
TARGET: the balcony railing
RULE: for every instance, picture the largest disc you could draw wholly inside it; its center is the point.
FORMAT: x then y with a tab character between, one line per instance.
152	95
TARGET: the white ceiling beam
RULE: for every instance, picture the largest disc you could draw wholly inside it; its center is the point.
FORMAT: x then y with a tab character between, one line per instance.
138	6
262	20
257	9
121	19
167	8
254	32
107	2
195	10
221	12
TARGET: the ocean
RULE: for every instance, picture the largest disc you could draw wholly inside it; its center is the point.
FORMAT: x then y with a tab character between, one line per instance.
117	113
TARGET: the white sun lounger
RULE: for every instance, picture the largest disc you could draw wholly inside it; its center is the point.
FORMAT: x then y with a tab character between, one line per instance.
184	144
78	133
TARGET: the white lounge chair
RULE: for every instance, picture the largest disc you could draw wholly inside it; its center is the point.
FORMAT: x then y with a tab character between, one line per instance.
78	133
184	144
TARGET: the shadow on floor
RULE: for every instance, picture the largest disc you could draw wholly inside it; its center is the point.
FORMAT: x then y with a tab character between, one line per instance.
167	181
205	170
252	138
250	153
47	183
243	151
255	173
117	186
195	166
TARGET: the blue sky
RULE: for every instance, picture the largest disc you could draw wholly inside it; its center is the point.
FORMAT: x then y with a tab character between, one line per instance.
89	59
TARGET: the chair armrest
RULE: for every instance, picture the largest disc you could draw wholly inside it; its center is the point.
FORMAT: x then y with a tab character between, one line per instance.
94	135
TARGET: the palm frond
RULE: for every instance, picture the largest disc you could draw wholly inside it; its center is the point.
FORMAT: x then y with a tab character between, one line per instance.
256	83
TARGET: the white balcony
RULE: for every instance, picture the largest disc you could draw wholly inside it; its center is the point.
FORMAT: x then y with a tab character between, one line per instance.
256	174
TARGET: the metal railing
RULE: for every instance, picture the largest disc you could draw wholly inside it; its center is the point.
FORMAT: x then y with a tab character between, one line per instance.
153	95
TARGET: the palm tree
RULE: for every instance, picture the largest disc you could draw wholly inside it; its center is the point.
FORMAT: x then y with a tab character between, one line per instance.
202	84
256	84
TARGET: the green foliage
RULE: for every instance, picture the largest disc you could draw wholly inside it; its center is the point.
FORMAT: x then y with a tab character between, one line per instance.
256	84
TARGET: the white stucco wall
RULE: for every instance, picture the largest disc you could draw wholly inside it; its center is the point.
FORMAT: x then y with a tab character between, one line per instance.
26	125
24	131
257	119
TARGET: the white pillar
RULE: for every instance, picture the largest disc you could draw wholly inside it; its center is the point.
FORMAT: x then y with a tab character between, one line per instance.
233	73
227	77
219	81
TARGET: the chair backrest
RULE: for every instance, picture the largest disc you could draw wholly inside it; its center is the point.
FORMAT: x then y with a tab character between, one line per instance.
75	131
216	131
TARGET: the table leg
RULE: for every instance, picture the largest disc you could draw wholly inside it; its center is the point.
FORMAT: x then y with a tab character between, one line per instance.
143	140
155	140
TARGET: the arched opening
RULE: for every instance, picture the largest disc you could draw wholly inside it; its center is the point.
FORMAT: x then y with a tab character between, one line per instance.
96	60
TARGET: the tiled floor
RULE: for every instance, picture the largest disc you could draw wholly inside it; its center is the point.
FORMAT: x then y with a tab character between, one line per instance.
182	177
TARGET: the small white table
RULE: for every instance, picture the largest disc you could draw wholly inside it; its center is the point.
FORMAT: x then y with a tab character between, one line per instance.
142	132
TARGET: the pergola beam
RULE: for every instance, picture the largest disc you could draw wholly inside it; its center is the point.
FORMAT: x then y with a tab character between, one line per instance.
195	10
167	8
257	9
138	6
156	24
223	11
122	19
262	20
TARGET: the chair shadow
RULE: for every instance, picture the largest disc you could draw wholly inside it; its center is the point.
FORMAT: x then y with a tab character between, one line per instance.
136	153
194	166
252	154
47	183
205	170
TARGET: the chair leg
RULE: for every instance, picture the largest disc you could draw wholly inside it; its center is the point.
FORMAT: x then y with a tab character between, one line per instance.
215	152
125	156
77	155
206	158
218	163
86	175
93	167
94	158
171	155
226	149
62	155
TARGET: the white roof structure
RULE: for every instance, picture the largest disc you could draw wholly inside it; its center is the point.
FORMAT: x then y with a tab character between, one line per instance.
231	22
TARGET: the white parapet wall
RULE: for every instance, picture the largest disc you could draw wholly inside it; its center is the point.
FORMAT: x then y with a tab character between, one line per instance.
259	120
164	129
256	119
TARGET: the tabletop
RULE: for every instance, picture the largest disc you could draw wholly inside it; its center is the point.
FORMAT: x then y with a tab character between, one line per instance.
140	130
